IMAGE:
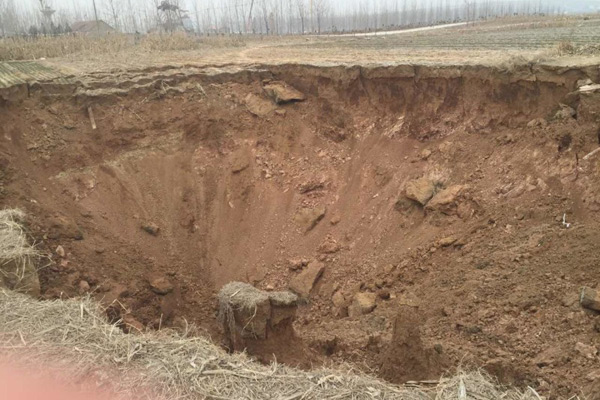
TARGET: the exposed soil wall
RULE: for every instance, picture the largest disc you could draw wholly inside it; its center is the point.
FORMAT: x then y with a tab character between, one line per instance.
186	185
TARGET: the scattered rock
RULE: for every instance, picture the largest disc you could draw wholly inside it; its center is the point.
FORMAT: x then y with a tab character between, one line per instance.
310	217
303	283
62	227
311	186
338	299
362	303
258	106
83	287
329	246
585	350
420	190
384	294
282	93
565	113
590	299
506	139
151	228
297	263
564	142
161	286
445	201
537	123
335	220
60	251
425	154
447	241
240	163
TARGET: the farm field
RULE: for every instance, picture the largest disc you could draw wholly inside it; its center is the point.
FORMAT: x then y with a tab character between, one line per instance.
488	43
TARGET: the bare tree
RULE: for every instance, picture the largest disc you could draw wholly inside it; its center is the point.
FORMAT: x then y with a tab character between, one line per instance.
112	10
301	6
321	9
265	15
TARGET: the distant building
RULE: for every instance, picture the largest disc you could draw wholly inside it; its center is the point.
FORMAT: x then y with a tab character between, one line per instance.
92	28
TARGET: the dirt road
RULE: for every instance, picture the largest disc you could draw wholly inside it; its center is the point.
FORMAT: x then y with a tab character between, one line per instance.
403	31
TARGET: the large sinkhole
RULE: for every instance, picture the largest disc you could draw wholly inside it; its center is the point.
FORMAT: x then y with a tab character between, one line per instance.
423	214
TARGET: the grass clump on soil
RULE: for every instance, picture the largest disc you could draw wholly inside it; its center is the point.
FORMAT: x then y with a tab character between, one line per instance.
255	303
74	335
17	256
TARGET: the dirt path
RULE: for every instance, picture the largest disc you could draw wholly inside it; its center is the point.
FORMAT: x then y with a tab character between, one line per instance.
400	32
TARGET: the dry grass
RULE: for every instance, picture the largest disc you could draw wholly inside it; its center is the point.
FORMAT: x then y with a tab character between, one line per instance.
76	337
61	46
17	256
13	241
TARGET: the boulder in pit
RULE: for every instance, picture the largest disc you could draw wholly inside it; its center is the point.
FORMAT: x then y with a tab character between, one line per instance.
258	106
590	299
304	282
248	313
446	201
362	303
421	190
282	93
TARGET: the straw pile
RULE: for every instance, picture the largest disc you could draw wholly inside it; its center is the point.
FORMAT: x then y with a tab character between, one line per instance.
75	334
17	256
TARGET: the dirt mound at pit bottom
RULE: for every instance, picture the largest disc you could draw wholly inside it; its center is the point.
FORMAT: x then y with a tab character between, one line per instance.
75	332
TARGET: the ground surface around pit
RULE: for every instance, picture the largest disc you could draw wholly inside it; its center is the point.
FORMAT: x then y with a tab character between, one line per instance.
503	41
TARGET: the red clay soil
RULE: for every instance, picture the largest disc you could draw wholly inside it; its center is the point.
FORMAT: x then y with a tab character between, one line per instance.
182	189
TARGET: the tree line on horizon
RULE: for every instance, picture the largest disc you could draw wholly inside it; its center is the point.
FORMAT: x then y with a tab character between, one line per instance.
265	17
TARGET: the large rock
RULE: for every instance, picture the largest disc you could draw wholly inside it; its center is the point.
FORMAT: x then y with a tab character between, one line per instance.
283	93
63	227
161	286
446	200
304	282
362	303
258	106
420	190
565	113
590	299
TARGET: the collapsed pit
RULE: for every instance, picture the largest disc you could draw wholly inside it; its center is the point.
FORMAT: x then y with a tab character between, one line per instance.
365	190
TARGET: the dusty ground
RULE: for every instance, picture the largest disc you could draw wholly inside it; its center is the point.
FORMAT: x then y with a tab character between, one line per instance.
193	178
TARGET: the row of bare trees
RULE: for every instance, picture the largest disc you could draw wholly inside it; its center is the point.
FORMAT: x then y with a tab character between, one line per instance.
272	17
